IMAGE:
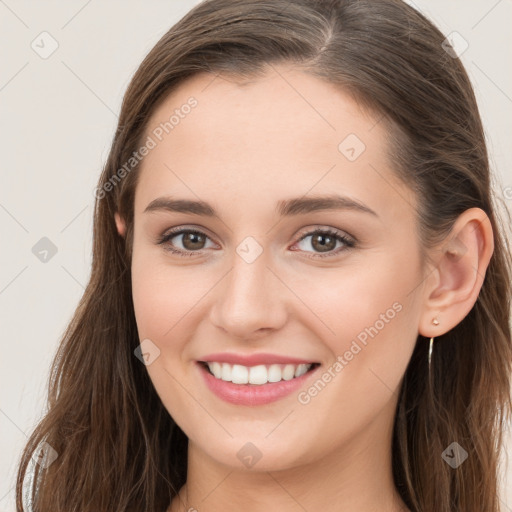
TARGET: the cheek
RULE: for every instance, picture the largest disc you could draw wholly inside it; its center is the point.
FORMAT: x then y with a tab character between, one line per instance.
373	315
162	296
366	300
165	302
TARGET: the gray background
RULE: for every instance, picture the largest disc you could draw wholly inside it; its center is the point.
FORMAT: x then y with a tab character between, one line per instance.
58	118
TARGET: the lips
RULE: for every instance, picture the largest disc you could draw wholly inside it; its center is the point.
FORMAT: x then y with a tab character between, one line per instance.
255	379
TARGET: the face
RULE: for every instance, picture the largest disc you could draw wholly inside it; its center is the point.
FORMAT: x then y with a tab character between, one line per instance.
261	269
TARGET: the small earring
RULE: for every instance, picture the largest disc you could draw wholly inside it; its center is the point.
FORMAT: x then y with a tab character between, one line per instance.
435	321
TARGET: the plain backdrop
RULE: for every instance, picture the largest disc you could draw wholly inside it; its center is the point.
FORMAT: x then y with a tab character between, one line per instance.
58	116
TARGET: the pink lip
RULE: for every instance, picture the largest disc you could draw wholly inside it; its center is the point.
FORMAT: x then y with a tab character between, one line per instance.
252	394
253	359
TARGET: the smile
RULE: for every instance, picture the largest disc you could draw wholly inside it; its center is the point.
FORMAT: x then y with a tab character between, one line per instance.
255	385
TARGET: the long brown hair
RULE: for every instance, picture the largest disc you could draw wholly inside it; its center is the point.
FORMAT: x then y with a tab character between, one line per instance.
117	447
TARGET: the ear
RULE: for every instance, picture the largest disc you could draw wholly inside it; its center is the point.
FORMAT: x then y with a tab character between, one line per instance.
453	286
120	224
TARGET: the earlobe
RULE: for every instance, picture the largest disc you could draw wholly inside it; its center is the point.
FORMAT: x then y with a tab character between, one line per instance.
457	279
120	224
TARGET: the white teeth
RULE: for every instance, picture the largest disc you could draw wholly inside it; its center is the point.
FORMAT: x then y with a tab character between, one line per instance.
226	372
239	374
274	373
260	374
289	372
216	369
301	369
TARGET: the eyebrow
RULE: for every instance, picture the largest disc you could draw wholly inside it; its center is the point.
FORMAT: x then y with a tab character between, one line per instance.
285	208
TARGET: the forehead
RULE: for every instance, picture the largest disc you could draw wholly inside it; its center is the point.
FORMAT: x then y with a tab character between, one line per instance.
280	134
284	102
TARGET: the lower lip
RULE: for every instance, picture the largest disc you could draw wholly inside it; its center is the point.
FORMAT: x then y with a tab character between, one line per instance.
253	394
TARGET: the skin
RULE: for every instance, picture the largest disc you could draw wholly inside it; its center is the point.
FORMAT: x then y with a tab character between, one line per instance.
243	149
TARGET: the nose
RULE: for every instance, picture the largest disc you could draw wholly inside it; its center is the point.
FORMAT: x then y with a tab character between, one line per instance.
250	301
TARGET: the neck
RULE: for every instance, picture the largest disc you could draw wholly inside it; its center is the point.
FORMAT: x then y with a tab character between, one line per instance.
357	477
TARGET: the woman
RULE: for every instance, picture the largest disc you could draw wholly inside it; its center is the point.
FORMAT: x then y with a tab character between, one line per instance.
300	293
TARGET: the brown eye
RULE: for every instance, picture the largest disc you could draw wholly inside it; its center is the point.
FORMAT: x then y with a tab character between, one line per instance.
324	243
191	241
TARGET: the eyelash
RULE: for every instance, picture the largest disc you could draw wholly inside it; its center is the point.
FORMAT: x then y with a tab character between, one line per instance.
349	242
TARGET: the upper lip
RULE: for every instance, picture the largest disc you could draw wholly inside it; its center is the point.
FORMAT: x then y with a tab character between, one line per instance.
253	359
